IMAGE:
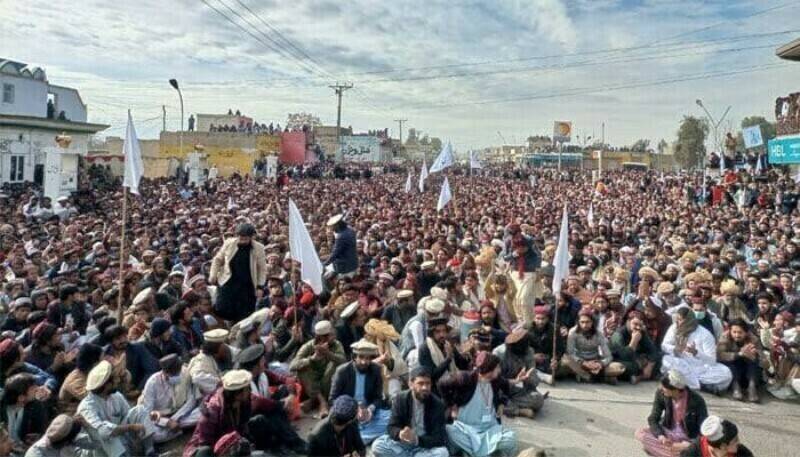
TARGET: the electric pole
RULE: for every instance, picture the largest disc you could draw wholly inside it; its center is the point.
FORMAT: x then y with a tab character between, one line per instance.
163	118
339	90
400	121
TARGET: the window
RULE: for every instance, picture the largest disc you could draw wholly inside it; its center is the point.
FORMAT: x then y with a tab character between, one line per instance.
8	93
17	169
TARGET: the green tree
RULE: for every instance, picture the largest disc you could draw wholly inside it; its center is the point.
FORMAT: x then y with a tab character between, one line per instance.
662	146
640	145
690	147
436	144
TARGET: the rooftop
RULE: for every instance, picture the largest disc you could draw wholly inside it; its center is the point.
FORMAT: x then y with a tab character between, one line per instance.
22	70
50	124
789	51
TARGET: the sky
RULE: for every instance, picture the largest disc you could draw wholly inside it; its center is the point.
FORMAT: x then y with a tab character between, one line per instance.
476	73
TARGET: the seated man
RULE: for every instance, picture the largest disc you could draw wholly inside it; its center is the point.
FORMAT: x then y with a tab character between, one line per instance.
690	348
437	354
588	355
739	350
476	397
540	338
417	425
23	416
516	356
204	367
232	408
362	380
171	395
110	422
280	431
719	437
60	439
675	419
315	364
632	347
338	435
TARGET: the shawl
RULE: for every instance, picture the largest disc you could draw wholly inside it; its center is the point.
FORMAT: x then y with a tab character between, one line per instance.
685	329
437	356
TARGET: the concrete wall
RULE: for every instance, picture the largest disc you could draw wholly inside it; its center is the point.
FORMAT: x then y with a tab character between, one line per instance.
32	145
30	96
154	164
70	102
204	121
229	152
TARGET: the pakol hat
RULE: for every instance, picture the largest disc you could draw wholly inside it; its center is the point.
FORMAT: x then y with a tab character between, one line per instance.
218	335
236	380
99	375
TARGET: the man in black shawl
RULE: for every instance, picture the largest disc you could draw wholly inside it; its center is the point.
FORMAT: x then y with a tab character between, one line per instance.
240	269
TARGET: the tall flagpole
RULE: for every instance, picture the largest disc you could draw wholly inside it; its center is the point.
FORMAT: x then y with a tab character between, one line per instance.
122	242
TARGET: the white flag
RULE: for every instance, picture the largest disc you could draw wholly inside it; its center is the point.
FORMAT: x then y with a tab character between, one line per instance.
590	216
302	249
758	165
231	204
408	183
134	168
474	163
444	160
444	196
423	175
561	260
797	177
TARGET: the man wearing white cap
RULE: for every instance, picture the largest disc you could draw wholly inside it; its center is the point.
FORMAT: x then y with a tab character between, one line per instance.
240	270
114	428
204	367
344	256
720	438
315	363
60	439
351	327
675	418
362	380
415	331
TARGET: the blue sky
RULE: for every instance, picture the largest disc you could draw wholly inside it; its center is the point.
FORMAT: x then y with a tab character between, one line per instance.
462	70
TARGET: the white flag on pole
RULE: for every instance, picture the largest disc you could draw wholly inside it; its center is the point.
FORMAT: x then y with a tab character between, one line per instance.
759	168
474	163
231	204
444	196
561	260
423	175
302	249
444	160
134	168
590	215
408	183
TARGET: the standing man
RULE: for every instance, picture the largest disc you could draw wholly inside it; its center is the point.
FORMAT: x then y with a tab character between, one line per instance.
240	269
344	257
417	424
362	380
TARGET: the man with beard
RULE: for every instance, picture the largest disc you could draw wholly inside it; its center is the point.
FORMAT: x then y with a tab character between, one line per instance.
540	338
588	355
111	423
315	363
399	313
633	348
690	349
437	354
490	323
240	269
204	368
417	424
362	380
351	327
338	435
16	320
478	396
344	257
740	351
427	278
516	356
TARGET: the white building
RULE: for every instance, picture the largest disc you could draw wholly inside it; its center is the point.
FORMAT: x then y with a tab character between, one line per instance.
33	113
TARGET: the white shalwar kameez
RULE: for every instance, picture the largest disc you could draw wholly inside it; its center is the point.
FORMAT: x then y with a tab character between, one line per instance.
701	368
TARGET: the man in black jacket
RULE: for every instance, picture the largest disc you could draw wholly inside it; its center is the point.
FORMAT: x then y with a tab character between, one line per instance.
668	433
719	437
438	355
344	256
416	428
362	380
338	434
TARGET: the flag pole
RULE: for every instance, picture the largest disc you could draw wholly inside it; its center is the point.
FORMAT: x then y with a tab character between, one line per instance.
555	342
122	252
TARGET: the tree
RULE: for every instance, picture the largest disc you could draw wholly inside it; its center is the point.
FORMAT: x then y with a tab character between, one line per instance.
690	147
298	120
436	144
640	145
662	146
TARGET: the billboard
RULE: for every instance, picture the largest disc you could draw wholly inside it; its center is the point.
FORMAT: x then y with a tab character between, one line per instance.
361	148
752	137
562	131
293	148
784	150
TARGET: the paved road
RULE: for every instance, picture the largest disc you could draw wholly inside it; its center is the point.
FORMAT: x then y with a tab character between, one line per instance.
581	420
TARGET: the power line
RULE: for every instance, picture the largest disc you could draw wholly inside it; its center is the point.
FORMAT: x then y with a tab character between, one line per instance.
609	88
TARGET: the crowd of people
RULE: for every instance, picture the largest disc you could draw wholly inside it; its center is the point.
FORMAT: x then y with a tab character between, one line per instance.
429	328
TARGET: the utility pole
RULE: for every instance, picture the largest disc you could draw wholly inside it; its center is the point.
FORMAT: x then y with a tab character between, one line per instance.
163	118
339	90
400	121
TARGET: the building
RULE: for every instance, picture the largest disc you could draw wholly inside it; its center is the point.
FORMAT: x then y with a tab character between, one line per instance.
789	51
784	149
325	137
33	113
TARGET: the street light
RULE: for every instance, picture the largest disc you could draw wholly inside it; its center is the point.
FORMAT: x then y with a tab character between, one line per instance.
174	84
